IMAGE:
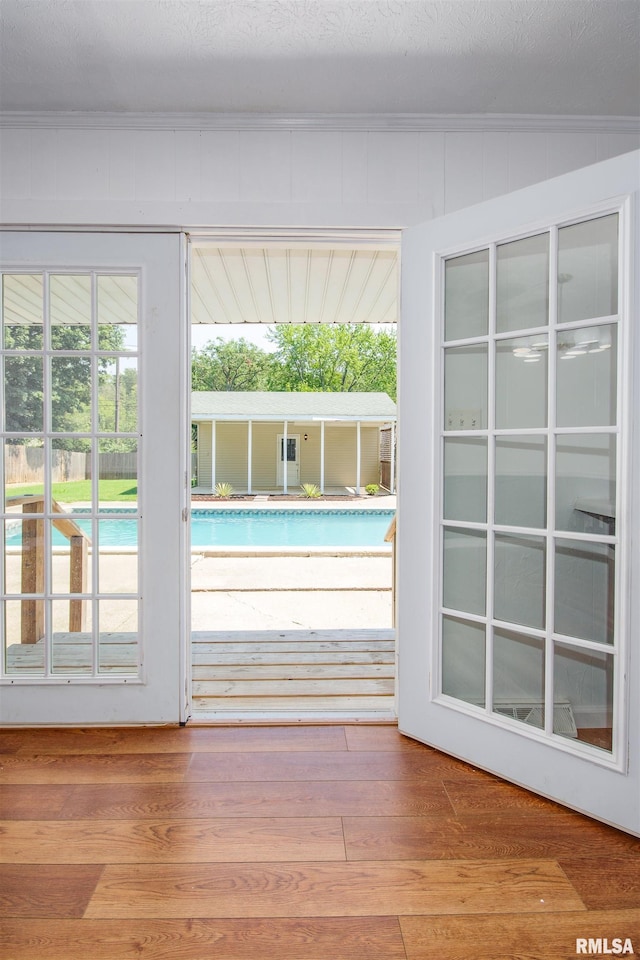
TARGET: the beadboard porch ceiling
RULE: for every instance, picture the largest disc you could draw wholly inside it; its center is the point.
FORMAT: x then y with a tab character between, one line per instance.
294	284
534	57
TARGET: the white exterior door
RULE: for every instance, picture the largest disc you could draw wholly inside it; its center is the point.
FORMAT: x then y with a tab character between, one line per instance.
92	437
292	459
519	577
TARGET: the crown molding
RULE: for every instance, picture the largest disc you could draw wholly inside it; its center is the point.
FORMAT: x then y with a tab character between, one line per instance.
322	122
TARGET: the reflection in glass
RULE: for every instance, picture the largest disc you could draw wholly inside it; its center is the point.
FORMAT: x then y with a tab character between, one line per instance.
584	594
523	283
586	379
465	479
70	311
518	677
23	394
586	483
588	270
117	313
519	585
118	636
22	305
118	395
466	298
465	388
521	481
71	394
583	679
465	570
521	382
463	660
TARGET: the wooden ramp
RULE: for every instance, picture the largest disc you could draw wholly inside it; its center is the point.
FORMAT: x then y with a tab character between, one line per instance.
293	672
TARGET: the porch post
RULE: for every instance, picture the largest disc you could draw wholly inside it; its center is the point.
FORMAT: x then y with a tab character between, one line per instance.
285	462
249	454
213	454
358	457
322	456
392	478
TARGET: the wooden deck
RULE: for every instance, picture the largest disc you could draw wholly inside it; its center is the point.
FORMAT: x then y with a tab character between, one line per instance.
281	672
293	672
291	843
72	653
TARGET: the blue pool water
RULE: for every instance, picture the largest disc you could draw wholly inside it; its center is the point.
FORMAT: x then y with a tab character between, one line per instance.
258	528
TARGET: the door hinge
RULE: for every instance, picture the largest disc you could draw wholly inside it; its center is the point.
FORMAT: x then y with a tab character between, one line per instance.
185	514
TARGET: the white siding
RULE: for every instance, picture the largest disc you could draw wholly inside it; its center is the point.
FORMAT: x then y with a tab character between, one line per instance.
340	456
281	177
231	454
205	446
265	453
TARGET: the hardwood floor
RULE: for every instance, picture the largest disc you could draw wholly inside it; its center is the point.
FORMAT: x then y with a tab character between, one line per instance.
291	843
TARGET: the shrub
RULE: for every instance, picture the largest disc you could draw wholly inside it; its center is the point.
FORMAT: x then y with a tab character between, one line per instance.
372	489
223	489
310	490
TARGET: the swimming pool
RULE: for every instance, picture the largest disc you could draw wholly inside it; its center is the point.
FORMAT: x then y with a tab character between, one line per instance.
255	528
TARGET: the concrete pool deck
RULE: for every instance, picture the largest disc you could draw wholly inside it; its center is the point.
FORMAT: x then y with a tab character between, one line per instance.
243	592
275	502
312	592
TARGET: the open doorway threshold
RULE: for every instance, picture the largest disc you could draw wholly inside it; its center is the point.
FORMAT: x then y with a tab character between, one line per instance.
319	676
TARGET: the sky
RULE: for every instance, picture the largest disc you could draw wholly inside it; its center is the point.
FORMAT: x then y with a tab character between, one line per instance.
202	333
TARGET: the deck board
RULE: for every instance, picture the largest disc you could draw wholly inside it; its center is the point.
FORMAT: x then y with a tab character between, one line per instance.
270	671
293	671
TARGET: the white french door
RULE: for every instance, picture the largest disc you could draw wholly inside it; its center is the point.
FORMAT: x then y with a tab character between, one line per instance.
91	545
519	577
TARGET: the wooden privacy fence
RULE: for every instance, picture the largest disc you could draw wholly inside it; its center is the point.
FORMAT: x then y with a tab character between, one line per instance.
25	464
33	559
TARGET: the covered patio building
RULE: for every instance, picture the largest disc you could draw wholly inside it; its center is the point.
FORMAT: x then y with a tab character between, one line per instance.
332	440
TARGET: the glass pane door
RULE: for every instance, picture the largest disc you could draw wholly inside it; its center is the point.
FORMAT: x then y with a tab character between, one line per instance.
70	431
530	434
93	482
517	592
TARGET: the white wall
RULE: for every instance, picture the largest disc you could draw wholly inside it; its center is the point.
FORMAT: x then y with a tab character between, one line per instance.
73	174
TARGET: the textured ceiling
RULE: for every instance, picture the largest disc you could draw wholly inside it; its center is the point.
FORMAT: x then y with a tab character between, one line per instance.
563	57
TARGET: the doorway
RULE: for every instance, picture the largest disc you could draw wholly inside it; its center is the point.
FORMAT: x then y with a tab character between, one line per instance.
292	460
320	619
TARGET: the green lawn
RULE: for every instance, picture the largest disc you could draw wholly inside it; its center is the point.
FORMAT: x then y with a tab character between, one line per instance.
80	490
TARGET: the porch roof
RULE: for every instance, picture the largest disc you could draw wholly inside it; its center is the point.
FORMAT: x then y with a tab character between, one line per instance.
260	405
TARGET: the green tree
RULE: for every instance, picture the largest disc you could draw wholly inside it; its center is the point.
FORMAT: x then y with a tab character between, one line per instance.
344	358
70	376
229	365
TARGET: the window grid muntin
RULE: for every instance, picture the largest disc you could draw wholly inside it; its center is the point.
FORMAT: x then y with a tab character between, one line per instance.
47	435
550	534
